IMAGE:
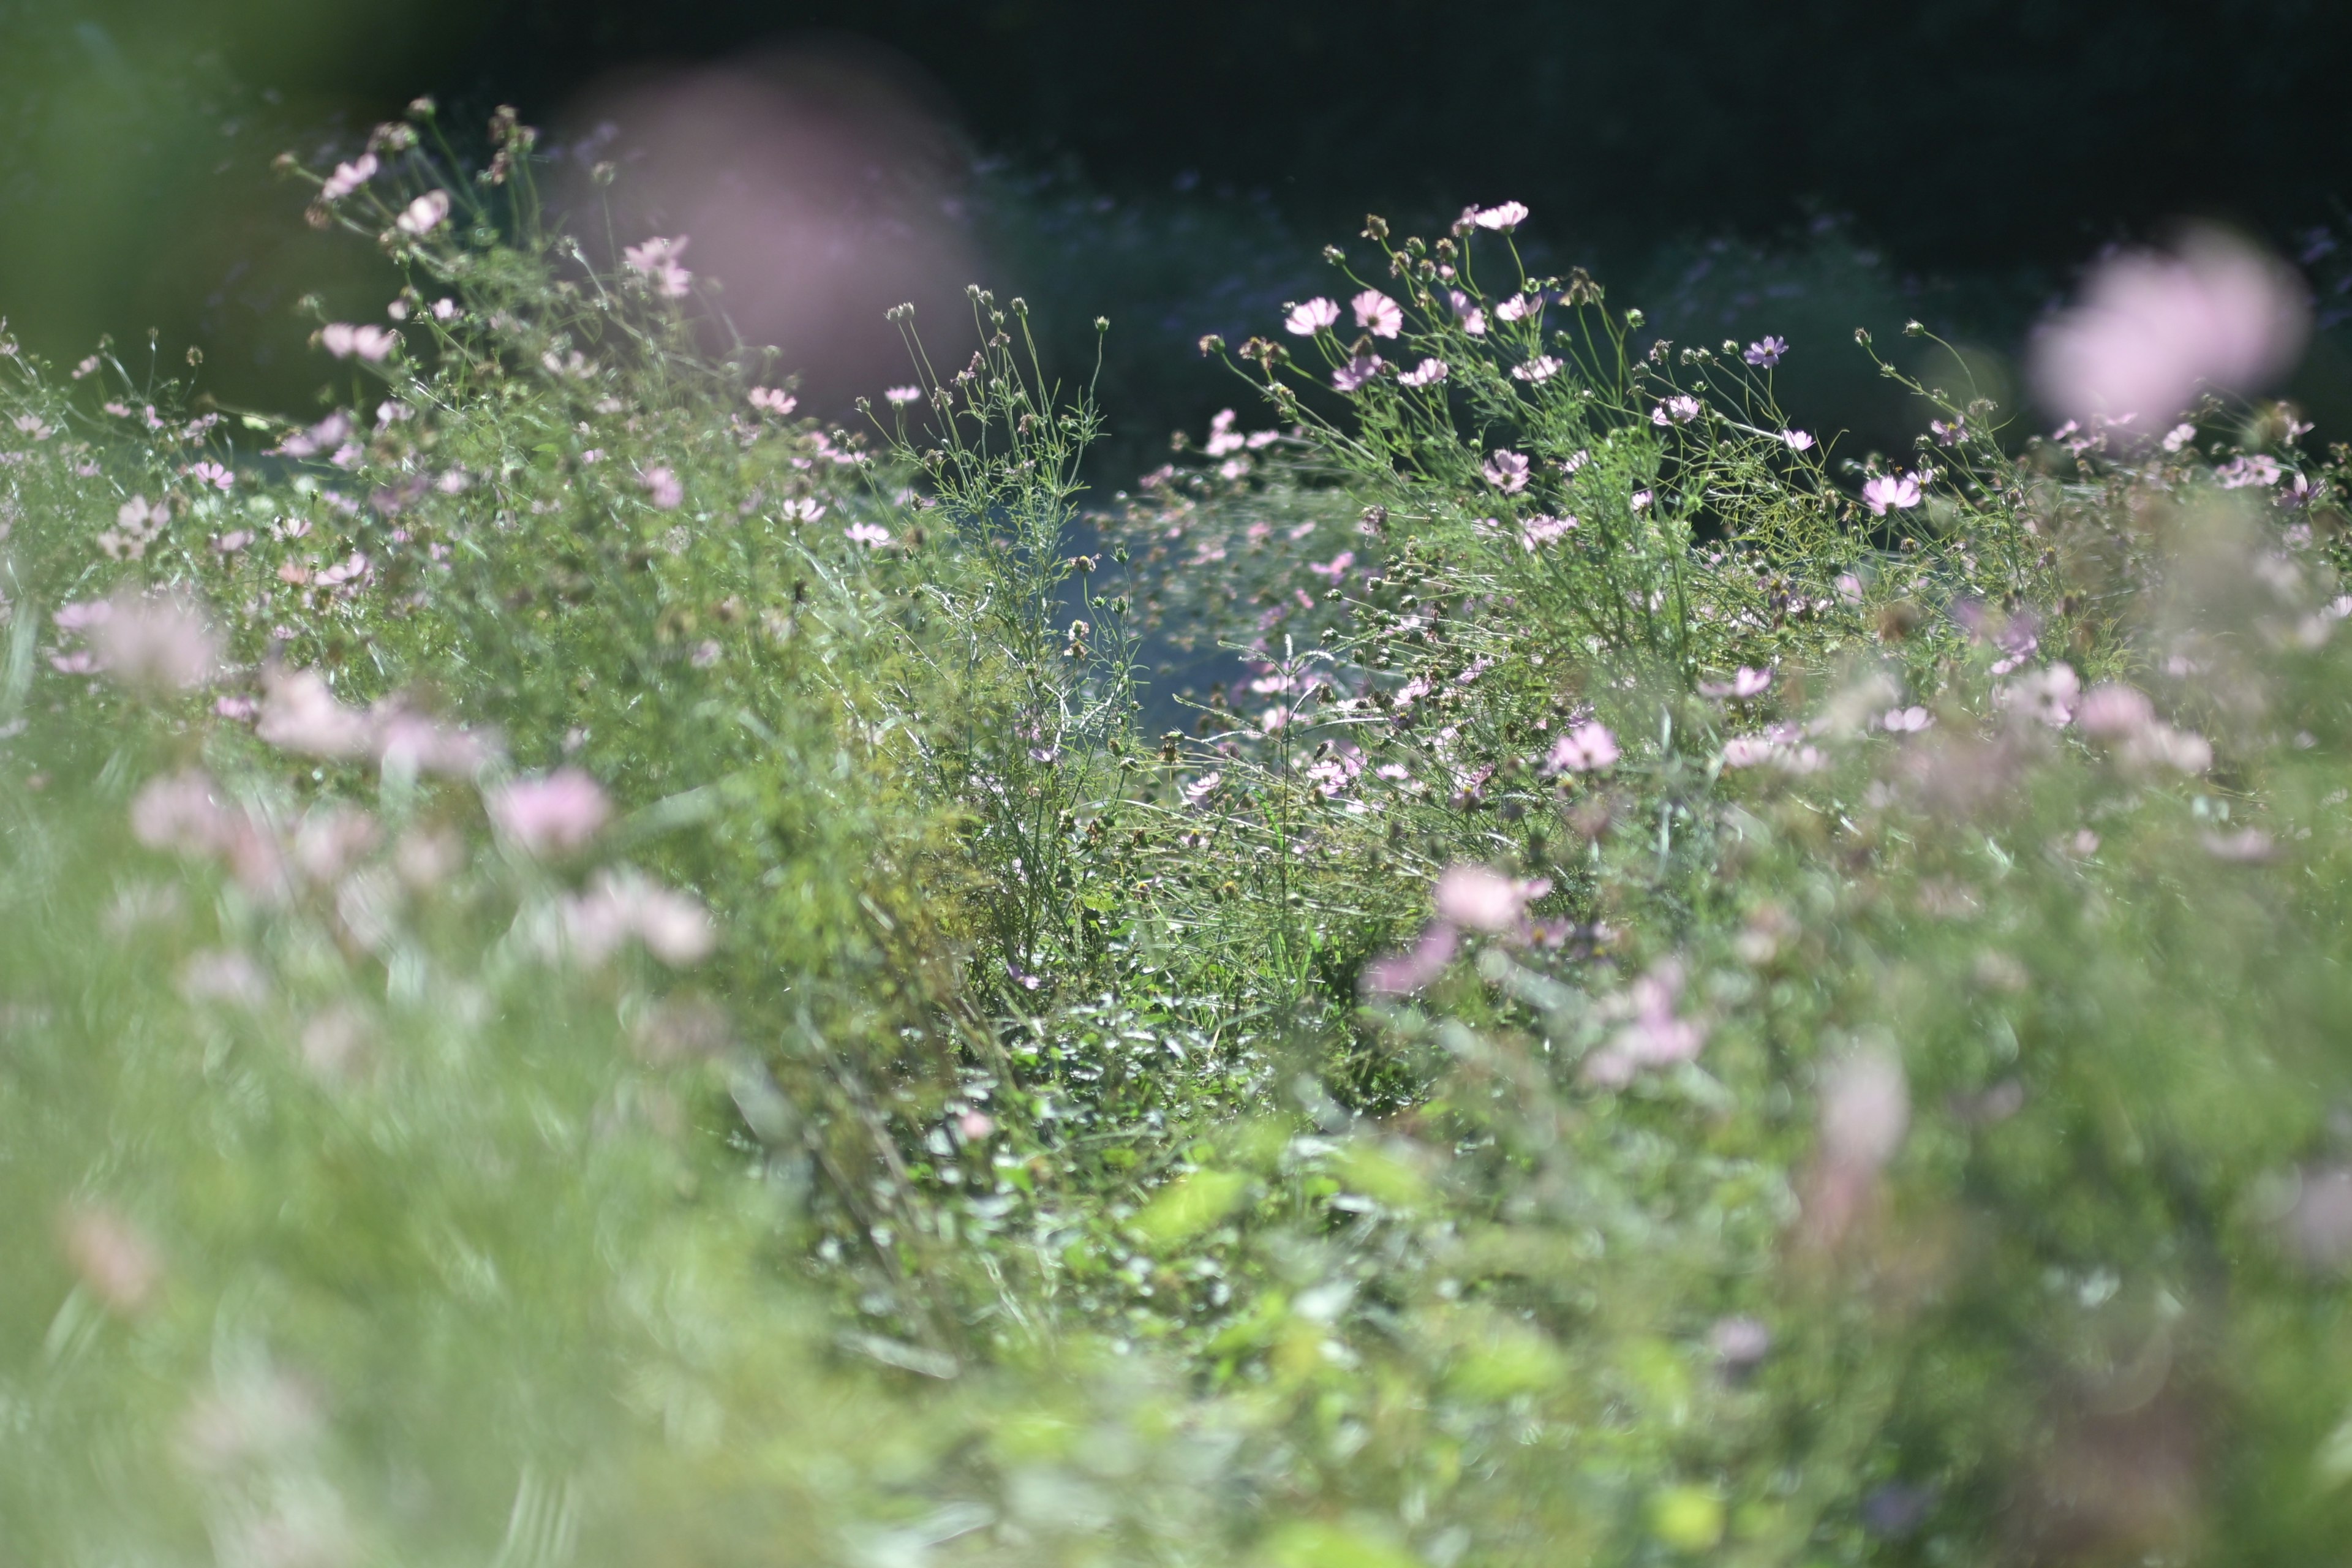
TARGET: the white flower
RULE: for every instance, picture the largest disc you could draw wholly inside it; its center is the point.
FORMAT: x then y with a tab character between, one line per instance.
1506	218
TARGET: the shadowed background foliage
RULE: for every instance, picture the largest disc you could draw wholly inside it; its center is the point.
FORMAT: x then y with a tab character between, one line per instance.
1976	149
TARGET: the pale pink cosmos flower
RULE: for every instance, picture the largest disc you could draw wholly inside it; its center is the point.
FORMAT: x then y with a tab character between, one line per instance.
1378	314
372	343
1468	313
1483	899
1905	721
807	509
348	178
663	489
1428	372
1885	493
1401	974
1539	531
552	814
1765	352
2111	711
772	400
161	643
1587	747
1316	315
1223	438
1679	409
1357	372
208	472
872	536
2152	328
1744	683
1506	471
444	310
656	260
1504	217
422	215
1656	1035
1516	308
900	397
1797	440
1543	367
299	714
616	905
2179	435
2046	695
1642	500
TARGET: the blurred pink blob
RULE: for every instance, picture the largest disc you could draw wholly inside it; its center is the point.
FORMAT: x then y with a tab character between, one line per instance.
822	188
115	1262
1398	974
158	642
2153	327
1483	899
551	814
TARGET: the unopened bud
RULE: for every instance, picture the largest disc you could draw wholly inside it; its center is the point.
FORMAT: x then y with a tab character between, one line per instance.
1211	343
1862	336
1633	319
1911	328
1375	226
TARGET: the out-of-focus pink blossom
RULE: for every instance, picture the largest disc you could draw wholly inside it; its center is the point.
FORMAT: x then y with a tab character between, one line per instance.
1315	316
1907	721
1866	1110
422	215
1223	437
1744	683
1503	217
348	178
1401	973
2122	717
372	343
900	397
1583	749
331	840
208	472
1540	531
2151	328
553	814
2111	711
2257	469
299	714
771	400
407	740
1357	372
663	489
616	906
1541	368
2247	847
444	310
1468	313
1378	314
1506	471
114	1260
159	642
872	535
1517	308
2047	695
1655	1036
2179	435
1484	898
1428	372
1883	493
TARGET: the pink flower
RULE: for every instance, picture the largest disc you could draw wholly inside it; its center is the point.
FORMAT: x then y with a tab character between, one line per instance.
1680	409
160	644
1866	1110
1765	352
1540	531
656	260
1516	308
1223	437
771	400
348	178
1882	492
1401	974
1543	367
663	489
2179	435
874	536
2111	711
1744	683
113	1260
299	714
1505	217
1357	372
1582	750
2152	328
2047	695
616	906
1797	440
1306	321
900	397
1377	313
556	814
1336	568
1655	1036
1506	471
1428	372
211	473
372	343
444	310
422	215
807	509
1467	311
1483	899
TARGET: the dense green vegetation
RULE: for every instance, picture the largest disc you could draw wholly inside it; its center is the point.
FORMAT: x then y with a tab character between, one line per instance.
606	972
